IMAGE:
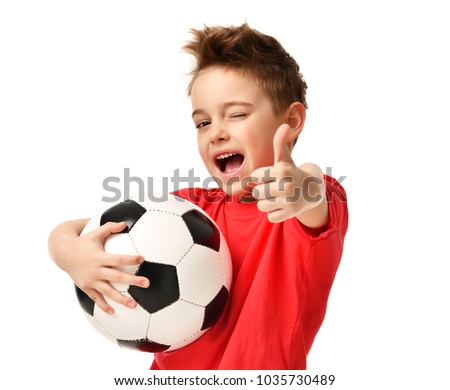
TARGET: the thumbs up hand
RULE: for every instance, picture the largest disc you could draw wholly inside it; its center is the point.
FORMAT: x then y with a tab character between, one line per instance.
284	190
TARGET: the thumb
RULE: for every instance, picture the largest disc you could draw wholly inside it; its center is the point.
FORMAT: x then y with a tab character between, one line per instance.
280	144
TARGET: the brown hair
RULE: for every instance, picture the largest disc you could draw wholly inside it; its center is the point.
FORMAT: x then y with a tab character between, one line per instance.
254	54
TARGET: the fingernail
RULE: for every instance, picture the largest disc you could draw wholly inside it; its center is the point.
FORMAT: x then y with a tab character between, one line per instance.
144	283
110	311
132	304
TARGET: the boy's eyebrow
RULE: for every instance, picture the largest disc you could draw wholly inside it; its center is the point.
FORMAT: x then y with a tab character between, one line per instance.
225	105
197	111
237	103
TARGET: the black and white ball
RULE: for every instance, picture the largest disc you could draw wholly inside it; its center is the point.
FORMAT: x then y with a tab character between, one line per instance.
189	267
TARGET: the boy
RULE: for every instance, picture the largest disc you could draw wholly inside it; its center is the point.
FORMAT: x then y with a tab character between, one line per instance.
284	224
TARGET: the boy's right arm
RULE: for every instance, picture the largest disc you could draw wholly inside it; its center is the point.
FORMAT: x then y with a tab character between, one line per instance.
89	266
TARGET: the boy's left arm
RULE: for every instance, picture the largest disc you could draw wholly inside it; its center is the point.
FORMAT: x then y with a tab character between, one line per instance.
285	190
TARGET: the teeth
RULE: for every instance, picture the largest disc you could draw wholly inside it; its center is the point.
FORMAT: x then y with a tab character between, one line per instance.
225	155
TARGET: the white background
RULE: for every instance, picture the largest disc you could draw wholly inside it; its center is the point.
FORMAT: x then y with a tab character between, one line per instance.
88	88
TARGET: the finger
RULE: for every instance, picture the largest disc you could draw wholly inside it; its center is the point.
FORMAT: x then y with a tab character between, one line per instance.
110	292
268	205
262	175
116	260
278	215
110	228
274	210
123	277
100	301
275	189
263	191
280	144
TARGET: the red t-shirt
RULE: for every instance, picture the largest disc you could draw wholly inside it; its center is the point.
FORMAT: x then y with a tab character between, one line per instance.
282	276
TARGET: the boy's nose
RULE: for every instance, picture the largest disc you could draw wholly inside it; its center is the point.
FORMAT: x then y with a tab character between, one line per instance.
218	133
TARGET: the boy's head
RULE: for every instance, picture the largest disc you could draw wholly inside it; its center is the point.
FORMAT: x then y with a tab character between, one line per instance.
253	54
243	88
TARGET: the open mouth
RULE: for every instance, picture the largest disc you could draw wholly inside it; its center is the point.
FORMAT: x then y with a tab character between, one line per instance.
229	162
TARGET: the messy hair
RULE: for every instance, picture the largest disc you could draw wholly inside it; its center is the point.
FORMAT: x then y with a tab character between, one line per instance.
252	53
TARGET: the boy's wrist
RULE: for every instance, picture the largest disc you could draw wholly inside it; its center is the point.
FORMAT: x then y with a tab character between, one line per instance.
61	241
314	205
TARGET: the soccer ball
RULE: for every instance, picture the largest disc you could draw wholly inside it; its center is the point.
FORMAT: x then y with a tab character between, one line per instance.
189	267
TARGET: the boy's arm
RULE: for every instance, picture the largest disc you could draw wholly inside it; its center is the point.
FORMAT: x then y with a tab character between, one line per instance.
89	266
316	214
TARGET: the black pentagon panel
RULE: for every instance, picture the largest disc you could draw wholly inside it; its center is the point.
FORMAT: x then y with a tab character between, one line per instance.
163	289
127	211
86	303
203	231
143	345
215	308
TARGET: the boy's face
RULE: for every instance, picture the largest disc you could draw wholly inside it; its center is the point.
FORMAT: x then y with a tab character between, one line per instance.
235	124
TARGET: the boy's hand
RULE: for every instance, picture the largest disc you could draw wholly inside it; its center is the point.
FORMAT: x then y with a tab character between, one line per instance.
284	190
92	269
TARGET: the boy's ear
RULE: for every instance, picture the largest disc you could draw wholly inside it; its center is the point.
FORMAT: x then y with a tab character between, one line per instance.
296	115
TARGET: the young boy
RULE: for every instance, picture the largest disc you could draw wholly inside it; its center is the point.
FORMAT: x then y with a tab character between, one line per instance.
284	224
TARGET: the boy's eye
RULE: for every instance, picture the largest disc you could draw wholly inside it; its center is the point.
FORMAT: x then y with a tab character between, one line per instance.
202	124
238	115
